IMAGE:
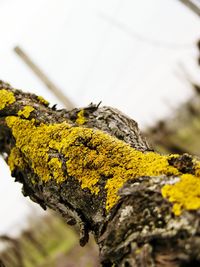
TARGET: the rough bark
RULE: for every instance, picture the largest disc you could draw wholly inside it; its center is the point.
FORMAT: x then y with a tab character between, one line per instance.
93	166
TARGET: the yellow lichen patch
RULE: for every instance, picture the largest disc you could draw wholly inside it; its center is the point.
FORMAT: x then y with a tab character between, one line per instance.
15	159
55	167
185	194
197	168
92	155
138	165
34	144
43	101
80	118
6	98
26	111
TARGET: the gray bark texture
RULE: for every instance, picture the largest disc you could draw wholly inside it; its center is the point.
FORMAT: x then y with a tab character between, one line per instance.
140	227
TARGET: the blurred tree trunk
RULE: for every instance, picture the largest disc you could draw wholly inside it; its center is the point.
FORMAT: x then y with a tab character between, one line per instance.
1	264
93	166
13	245
179	133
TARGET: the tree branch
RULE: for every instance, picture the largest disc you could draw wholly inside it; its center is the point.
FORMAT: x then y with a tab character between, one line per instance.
44	78
192	6
93	166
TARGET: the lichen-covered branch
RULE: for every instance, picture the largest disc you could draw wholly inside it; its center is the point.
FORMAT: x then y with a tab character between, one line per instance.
93	166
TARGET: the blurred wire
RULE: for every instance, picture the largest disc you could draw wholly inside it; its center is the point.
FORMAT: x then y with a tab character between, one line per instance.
144	39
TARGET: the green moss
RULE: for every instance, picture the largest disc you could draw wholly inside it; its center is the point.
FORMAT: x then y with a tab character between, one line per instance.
80	118
26	111
92	154
6	98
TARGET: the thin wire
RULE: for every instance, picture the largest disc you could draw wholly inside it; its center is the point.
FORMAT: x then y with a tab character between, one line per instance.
139	37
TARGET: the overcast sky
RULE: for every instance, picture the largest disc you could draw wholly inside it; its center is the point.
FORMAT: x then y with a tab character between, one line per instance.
125	53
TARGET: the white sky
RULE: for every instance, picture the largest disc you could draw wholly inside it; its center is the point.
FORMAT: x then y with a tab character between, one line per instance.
125	53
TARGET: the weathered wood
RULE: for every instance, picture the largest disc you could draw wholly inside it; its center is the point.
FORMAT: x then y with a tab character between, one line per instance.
93	166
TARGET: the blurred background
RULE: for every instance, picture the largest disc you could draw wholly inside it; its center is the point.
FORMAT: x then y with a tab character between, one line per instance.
141	57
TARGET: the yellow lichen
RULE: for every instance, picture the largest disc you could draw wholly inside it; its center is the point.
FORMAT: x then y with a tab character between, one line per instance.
80	118
15	159
6	98
92	155
185	194
34	144
55	167
26	111
197	167
43	101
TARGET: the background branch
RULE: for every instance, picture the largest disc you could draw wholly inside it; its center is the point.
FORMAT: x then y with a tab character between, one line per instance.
44	78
